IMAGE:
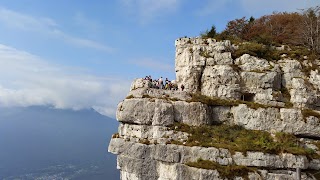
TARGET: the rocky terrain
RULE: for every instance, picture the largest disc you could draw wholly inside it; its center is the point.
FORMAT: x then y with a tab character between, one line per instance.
238	118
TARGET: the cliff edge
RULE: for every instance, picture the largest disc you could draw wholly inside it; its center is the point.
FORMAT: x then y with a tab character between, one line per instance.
238	118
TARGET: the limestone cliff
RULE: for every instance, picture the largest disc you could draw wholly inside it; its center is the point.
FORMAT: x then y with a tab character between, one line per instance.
158	129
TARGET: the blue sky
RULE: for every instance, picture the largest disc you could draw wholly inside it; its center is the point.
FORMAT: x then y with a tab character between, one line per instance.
84	54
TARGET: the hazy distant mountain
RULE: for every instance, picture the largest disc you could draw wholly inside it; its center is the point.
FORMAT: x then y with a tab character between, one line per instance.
42	142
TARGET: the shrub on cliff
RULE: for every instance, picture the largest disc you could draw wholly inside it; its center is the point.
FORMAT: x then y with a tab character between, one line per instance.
258	50
229	172
209	33
237	138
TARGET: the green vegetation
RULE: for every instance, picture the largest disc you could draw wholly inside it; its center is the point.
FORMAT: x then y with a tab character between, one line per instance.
209	33
257	50
290	144
317	143
309	112
298	52
307	69
214	101
116	135
269	52
299	31
239	139
229	172
286	97
204	54
144	141
174	99
130	97
166	97
146	96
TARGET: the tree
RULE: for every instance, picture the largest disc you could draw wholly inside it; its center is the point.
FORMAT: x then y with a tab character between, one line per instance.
258	31
277	28
210	34
237	28
286	28
311	32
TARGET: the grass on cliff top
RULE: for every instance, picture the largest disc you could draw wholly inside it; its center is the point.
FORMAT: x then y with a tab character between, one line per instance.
317	144
237	138
270	53
130	97
214	101
229	172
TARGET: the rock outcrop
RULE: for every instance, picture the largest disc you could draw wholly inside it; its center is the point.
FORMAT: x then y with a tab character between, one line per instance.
256	94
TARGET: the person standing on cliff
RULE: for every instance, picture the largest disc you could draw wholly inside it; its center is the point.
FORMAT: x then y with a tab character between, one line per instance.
182	87
160	83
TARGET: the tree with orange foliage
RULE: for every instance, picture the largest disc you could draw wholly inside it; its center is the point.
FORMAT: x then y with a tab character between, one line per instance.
236	28
278	28
282	28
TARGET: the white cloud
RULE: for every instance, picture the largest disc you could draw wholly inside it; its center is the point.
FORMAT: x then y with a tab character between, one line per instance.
82	42
152	64
25	22
86	23
211	7
47	26
27	80
262	6
253	7
146	10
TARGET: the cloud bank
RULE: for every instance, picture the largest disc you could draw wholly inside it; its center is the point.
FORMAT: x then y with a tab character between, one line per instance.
27	80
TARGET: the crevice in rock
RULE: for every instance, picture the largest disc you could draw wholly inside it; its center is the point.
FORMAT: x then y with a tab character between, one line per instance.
201	74
308	136
247	97
133	123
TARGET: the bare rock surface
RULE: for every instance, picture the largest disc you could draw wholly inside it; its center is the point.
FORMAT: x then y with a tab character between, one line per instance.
273	96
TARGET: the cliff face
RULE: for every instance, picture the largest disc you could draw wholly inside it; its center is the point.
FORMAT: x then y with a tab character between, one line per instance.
156	138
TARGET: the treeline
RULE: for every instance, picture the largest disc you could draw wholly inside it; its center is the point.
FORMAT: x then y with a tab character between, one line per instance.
293	29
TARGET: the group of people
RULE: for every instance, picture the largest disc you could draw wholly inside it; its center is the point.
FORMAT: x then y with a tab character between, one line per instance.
163	84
